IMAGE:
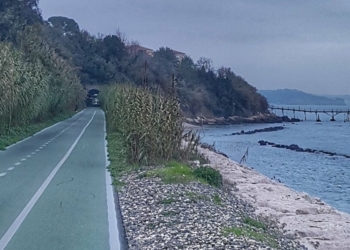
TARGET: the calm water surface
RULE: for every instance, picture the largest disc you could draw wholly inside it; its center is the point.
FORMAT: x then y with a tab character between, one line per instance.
327	177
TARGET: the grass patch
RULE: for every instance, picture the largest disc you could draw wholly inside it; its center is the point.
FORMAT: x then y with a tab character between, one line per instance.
217	200
174	172
118	184
167	201
118	159
17	134
249	233
117	155
254	223
233	230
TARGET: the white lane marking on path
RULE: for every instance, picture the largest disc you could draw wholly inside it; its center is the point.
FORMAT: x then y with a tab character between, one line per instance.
114	243
17	163
11	168
37	150
44	130
23	159
28	156
33	153
19	220
2	174
64	130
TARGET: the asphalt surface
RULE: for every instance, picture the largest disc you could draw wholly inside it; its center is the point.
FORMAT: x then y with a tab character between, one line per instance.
55	192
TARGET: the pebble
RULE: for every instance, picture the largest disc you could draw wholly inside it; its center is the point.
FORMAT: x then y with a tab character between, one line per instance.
177	216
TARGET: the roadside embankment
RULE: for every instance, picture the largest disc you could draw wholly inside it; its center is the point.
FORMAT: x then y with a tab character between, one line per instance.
316	224
179	212
169	204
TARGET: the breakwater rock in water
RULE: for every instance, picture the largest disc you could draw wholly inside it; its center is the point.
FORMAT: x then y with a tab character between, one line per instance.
261	118
296	148
270	129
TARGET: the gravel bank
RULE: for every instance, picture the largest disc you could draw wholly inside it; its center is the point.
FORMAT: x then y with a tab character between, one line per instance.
191	216
316	224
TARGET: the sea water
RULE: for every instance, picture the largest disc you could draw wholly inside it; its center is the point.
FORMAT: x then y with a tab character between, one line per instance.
319	175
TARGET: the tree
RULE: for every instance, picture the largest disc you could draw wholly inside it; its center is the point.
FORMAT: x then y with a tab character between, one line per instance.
225	73
64	24
205	64
114	48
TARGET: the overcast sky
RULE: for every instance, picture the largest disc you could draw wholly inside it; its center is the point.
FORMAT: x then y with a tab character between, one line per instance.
298	44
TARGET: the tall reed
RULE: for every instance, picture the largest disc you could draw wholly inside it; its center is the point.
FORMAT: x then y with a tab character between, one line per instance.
151	124
34	85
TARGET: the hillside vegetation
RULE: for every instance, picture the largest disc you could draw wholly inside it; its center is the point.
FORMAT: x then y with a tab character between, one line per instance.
46	64
36	83
202	90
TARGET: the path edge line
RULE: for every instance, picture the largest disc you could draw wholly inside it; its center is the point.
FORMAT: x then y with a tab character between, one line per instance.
21	217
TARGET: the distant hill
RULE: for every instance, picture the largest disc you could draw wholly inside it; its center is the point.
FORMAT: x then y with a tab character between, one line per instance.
296	97
346	98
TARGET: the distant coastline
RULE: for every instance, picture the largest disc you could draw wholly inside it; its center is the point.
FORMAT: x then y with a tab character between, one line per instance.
296	97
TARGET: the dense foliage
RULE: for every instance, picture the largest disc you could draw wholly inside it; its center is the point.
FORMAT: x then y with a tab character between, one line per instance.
212	176
35	82
62	55
201	90
149	124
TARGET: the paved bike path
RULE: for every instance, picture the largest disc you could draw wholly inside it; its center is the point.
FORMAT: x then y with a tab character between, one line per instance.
55	197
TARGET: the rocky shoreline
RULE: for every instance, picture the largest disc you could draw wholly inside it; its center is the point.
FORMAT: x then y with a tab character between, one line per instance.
317	225
197	216
191	216
261	118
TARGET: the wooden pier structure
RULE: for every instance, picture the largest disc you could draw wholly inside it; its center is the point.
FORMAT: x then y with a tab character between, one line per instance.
332	113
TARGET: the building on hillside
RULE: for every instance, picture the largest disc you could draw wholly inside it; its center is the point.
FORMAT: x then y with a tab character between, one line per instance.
134	49
179	55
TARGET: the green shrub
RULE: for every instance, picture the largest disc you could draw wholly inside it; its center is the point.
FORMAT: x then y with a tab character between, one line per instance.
251	234
173	172
210	175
